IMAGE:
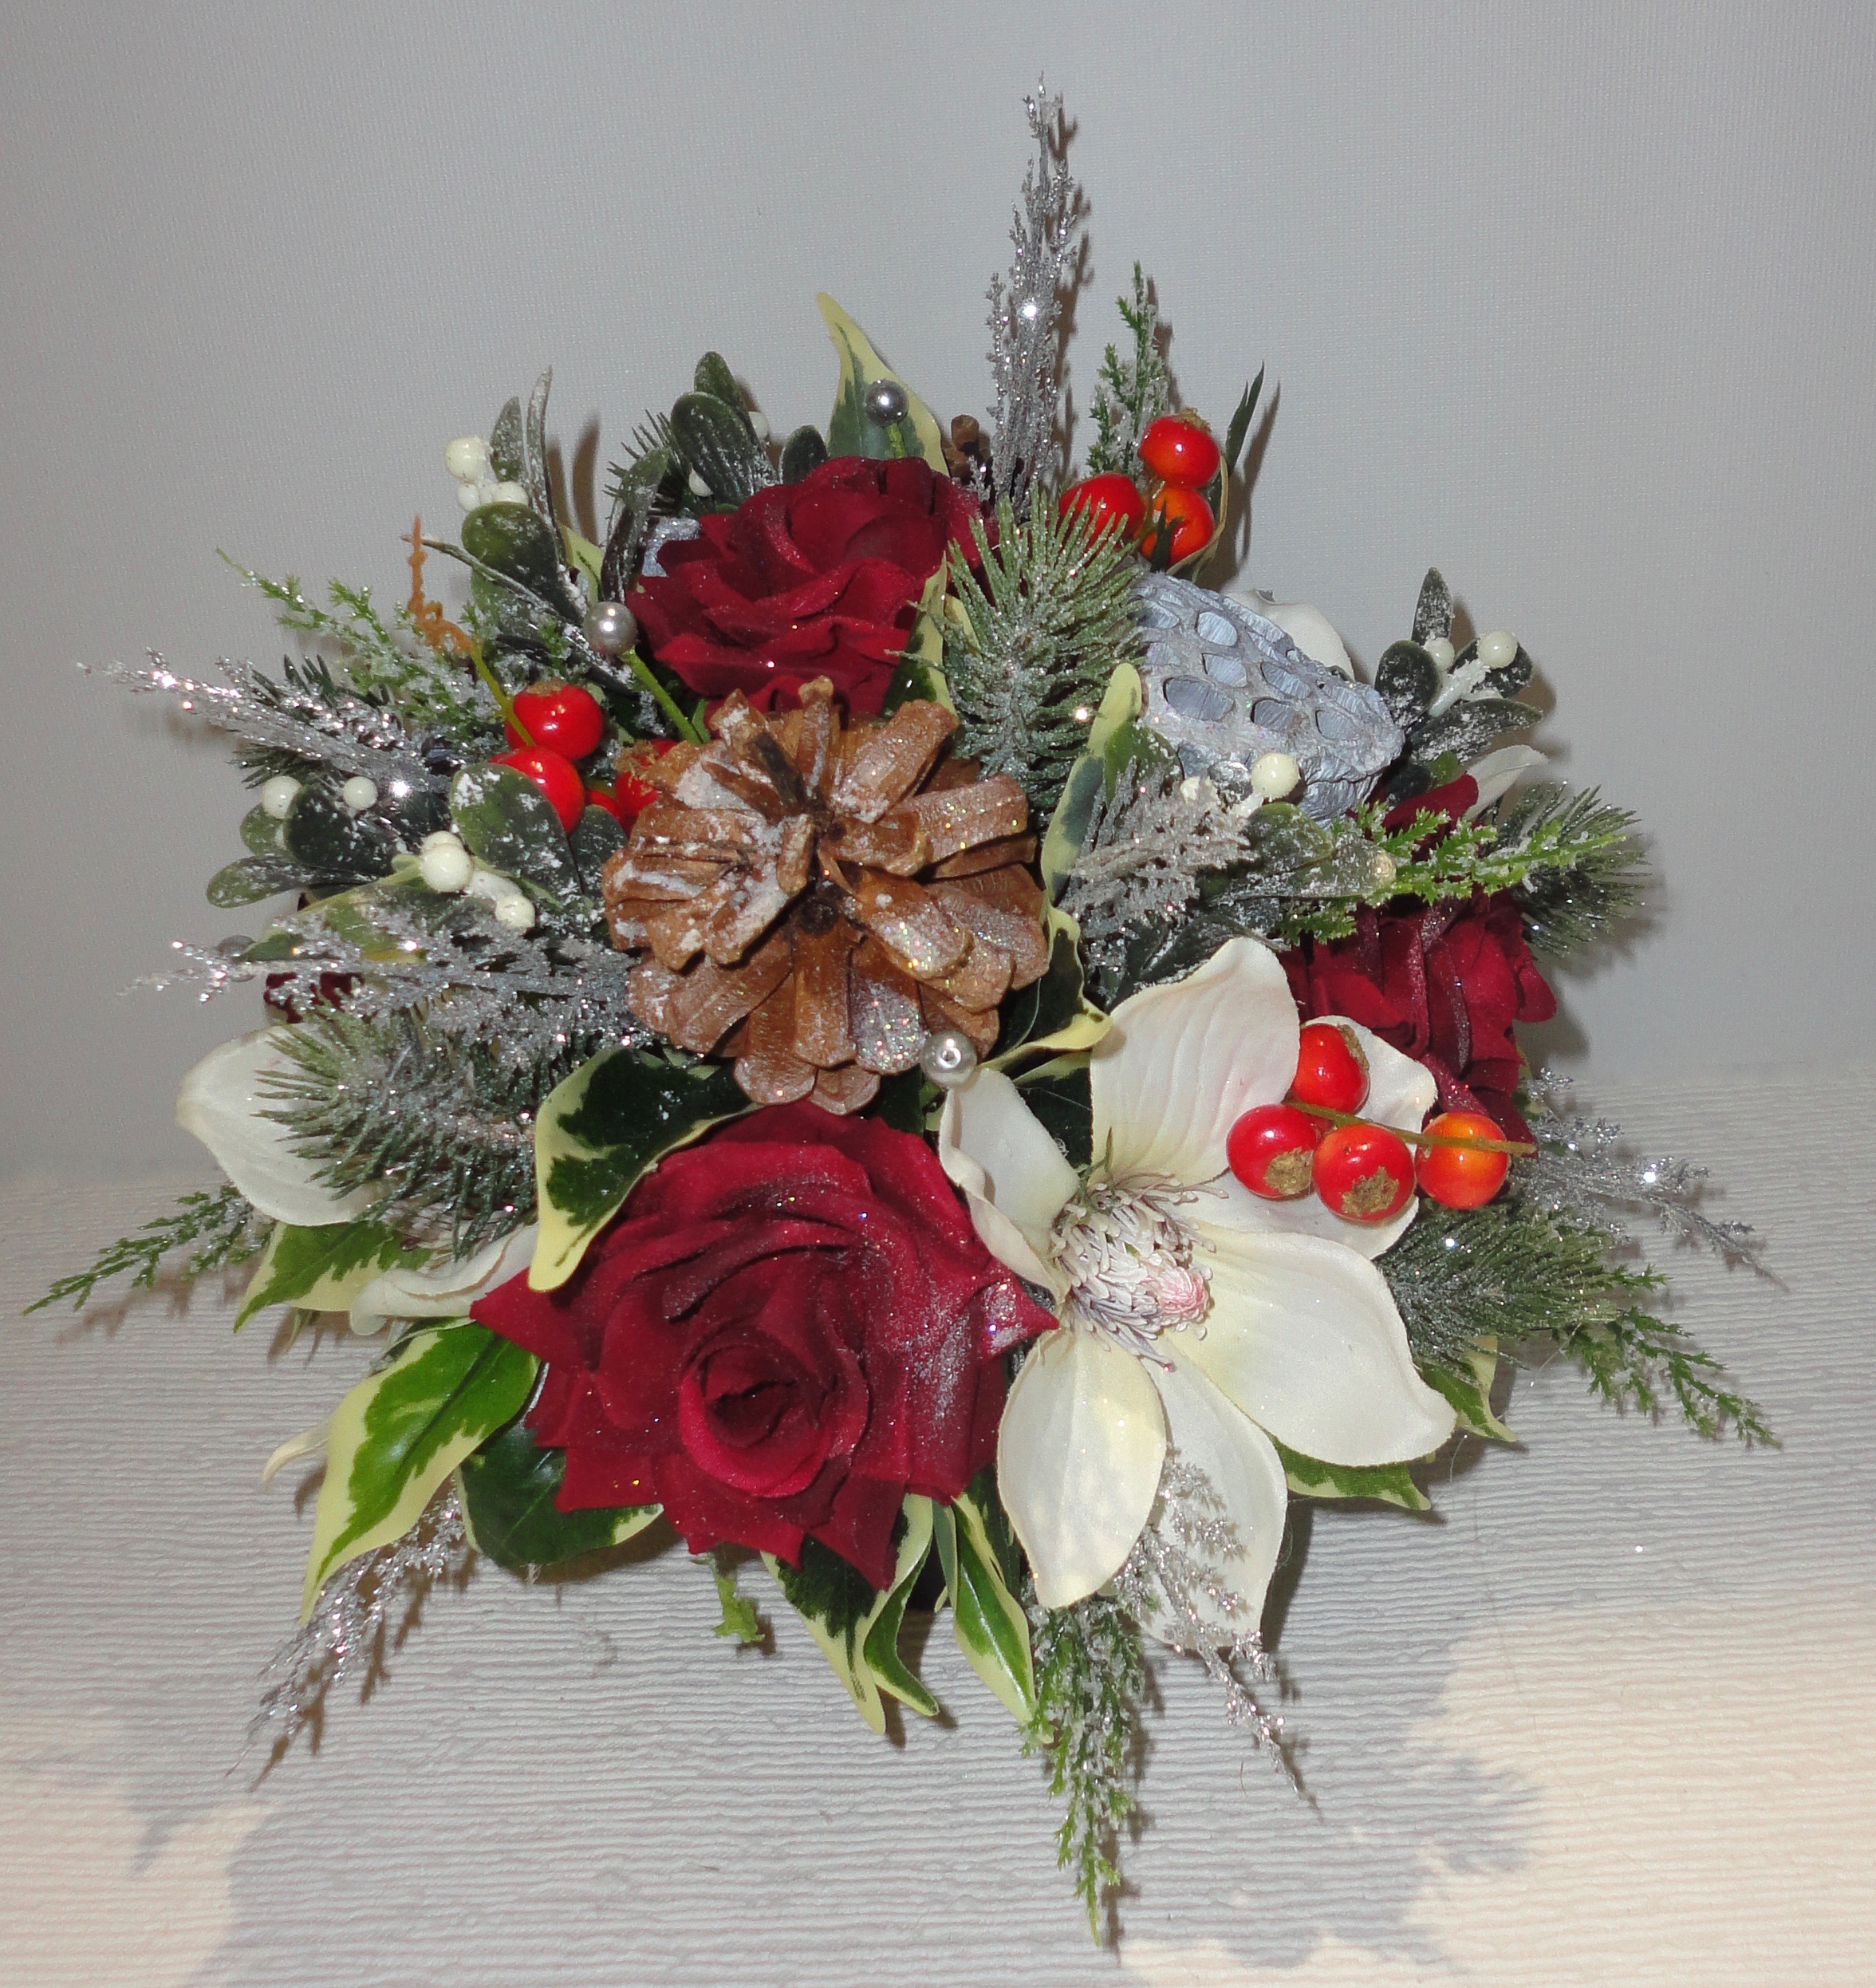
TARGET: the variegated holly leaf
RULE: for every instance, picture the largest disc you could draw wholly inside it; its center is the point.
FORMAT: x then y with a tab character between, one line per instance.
978	1553
324	1269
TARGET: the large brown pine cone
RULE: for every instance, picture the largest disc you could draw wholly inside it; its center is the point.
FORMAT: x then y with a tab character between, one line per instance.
815	898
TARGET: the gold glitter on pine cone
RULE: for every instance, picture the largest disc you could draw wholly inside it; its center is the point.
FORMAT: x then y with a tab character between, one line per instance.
815	898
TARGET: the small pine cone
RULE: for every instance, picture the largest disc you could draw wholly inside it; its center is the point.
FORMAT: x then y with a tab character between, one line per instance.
815	898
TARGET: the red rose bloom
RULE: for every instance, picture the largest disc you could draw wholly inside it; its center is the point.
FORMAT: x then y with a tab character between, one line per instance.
1444	985
788	1328
817	579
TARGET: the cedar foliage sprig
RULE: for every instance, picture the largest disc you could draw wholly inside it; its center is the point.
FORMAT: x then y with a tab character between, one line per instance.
1512	1273
222	1229
1133	392
1092	1684
1052	615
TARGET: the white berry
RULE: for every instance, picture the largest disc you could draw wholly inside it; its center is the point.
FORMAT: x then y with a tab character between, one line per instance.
1274	775
1442	652
278	796
445	864
699	487
1497	649
516	912
469	496
358	793
466	459
759	422
493	885
505	493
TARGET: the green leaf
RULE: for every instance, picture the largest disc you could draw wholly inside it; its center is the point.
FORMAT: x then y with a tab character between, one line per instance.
509	1487
402	1430
1392	1483
1240	423
507	824
740	1618
1054	1001
324	1269
720	446
260	832
850	431
981	1575
856	1625
600	1130
507	457
881	1647
803	454
248	879
596	836
1471	1393
516	542
1121	706
921	671
330	840
902	1101
713	375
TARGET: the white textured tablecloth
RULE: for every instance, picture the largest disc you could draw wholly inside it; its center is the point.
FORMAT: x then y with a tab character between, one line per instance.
1609	1717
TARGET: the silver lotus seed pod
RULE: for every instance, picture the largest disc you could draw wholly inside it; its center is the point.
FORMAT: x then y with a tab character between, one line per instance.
948	1057
885	402
611	628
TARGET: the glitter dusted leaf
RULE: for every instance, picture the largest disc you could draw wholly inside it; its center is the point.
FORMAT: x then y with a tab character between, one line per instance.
850	430
508	1491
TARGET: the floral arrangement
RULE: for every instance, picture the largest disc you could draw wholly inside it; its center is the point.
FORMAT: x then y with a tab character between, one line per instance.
869	1019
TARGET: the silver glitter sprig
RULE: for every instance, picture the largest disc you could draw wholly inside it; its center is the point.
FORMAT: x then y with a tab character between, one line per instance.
364	1612
309	716
1583	1171
1025	314
1168	1578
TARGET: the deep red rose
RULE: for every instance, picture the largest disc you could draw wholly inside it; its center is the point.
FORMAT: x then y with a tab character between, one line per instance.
817	579
789	1328
1445	985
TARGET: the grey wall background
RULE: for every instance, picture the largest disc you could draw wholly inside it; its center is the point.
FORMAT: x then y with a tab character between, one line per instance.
1575	302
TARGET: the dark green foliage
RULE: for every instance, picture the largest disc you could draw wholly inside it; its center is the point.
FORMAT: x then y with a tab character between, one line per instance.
1241	418
436	1119
803	454
509	1483
1133	392
219	1229
1091	1685
1052	615
1567	905
1459	1276
824	1587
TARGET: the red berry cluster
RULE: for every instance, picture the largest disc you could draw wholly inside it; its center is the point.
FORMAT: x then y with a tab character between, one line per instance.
1362	1171
1183	461
554	727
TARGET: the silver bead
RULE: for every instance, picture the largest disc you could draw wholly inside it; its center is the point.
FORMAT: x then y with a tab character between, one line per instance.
948	1057
885	402
232	947
611	628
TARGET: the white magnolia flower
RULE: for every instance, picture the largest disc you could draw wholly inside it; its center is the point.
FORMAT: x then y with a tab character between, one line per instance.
1195	1316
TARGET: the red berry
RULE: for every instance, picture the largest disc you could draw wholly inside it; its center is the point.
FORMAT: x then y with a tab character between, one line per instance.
562	717
1178	449
1109	500
1269	1150
1462	1176
1364	1172
604	797
1330	1068
630	795
553	774
1186	515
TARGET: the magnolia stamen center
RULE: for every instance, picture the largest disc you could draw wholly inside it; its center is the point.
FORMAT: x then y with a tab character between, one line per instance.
1129	1256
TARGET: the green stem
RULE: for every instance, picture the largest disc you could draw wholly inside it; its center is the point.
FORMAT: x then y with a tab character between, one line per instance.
504	702
1521	1149
687	728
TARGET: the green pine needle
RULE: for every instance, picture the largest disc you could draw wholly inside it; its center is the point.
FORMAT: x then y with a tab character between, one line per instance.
1053	614
1133	393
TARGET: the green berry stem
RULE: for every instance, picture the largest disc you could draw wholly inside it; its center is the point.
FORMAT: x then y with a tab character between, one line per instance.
1518	1149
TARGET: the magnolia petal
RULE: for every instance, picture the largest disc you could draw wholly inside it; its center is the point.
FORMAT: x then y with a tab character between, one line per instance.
1180	1064
221	1103
1078	1456
1309	628
994	1147
446	1292
309	1443
1243	1473
1302	1336
1498	772
1400	1093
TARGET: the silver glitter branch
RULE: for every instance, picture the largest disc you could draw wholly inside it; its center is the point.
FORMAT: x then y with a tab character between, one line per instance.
309	716
364	1612
1025	315
1583	1172
1168	1576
